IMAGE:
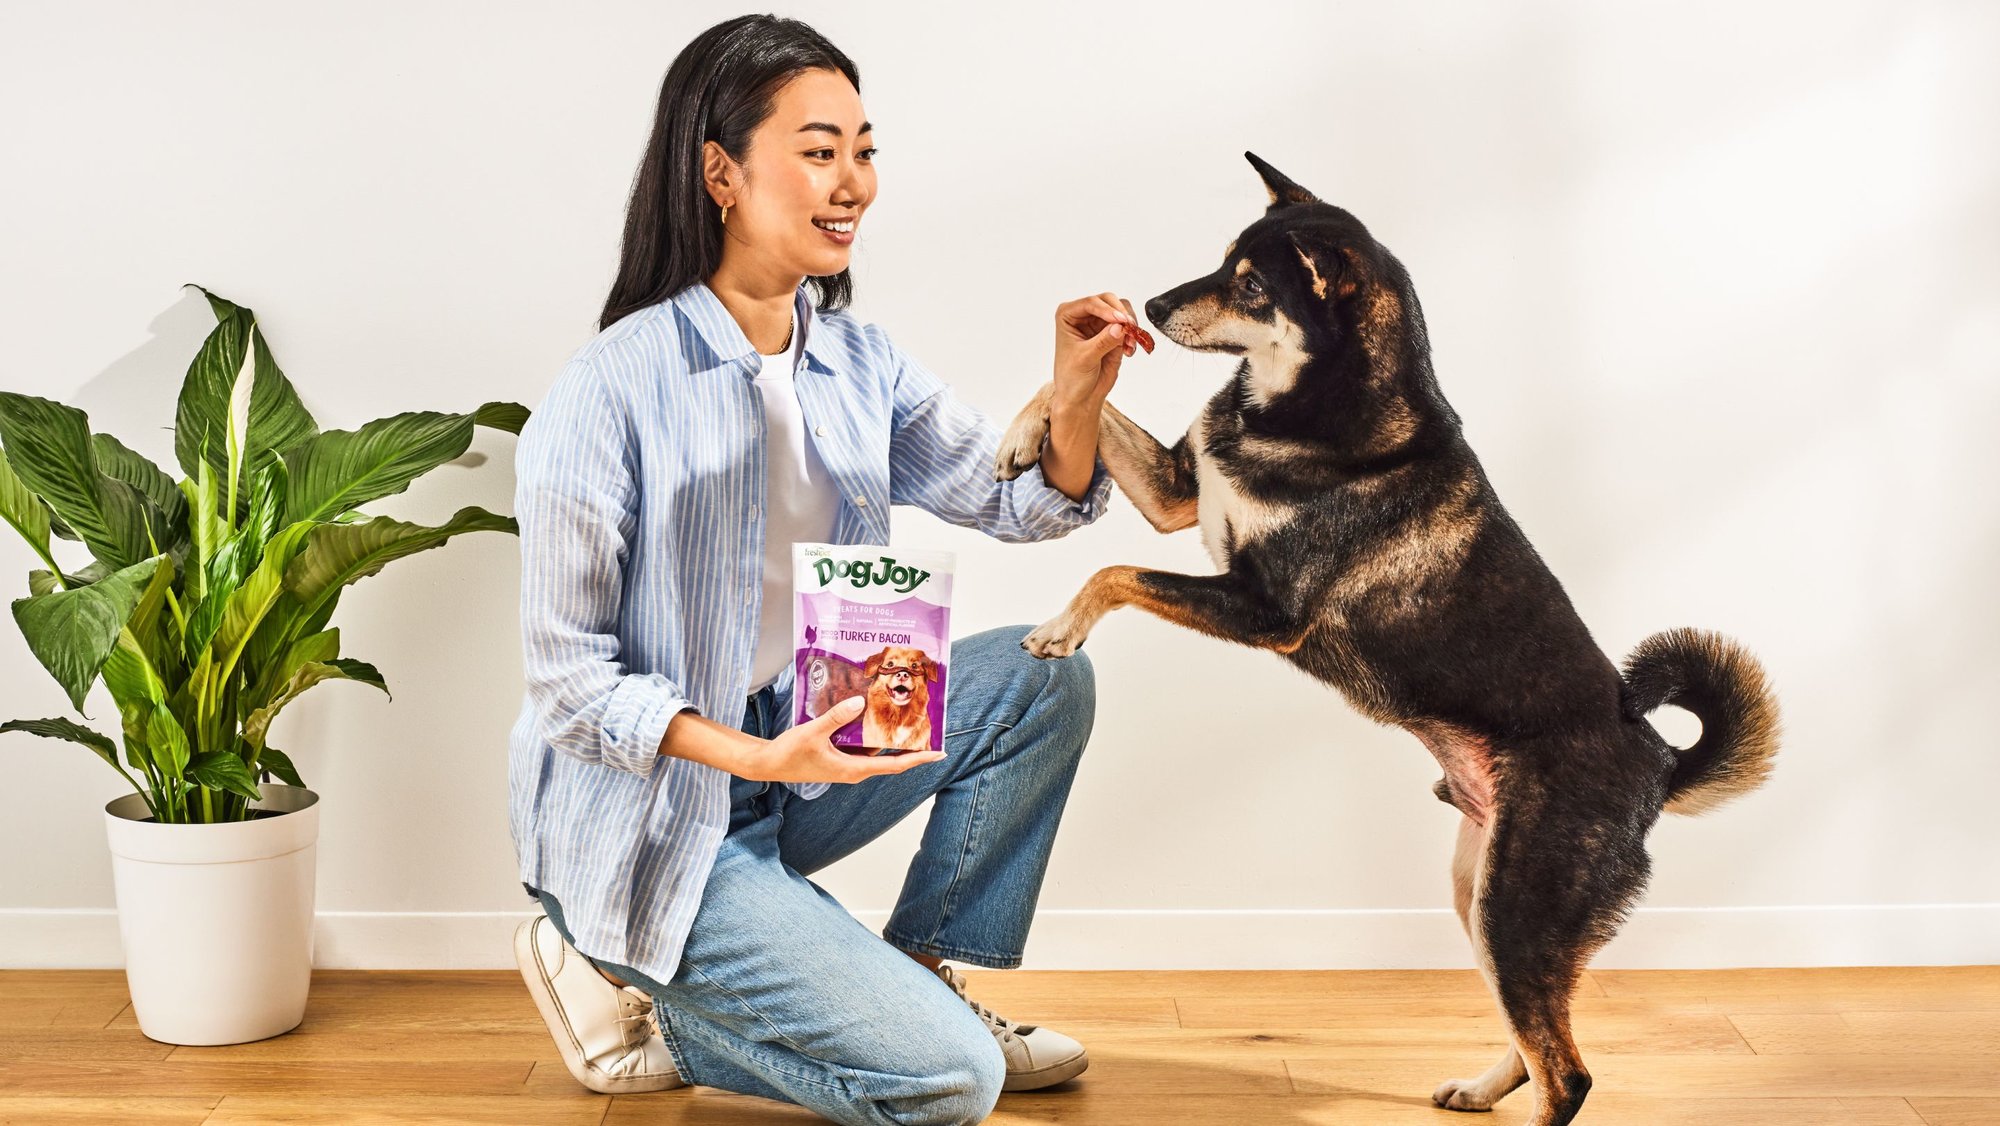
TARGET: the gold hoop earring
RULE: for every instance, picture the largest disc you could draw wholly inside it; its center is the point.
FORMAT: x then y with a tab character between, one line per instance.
725	214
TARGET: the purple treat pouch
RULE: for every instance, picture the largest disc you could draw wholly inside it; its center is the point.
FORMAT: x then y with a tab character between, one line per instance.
873	622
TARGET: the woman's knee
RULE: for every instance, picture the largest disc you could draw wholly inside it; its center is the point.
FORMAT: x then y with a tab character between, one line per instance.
1070	681
956	1087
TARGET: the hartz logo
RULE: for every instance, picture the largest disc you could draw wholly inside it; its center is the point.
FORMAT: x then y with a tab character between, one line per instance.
861	574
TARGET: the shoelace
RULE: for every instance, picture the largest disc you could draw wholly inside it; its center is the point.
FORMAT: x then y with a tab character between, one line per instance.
639	1009
1001	1026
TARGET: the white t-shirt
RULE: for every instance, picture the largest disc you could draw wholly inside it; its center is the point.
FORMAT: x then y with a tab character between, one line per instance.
802	502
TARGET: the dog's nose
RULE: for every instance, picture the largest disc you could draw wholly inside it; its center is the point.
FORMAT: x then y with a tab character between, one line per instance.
1156	311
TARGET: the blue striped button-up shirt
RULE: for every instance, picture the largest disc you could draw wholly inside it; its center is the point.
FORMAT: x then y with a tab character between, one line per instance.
640	485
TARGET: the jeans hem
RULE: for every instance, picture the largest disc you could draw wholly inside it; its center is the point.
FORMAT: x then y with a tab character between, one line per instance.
935	950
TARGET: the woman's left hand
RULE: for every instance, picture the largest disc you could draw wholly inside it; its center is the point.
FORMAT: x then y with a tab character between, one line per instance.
1093	336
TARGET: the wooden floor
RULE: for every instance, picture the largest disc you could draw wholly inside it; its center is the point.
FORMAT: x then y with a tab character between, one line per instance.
1906	1047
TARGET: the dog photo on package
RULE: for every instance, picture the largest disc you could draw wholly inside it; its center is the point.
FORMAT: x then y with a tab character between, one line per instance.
873	622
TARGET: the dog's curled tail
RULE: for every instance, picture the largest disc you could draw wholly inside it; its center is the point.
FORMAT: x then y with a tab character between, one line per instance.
1724	686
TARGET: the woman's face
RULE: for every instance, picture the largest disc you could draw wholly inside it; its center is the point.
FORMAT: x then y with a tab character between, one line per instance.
810	166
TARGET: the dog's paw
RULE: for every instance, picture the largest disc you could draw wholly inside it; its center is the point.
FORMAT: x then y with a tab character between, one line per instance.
1461	1094
1021	446
1058	637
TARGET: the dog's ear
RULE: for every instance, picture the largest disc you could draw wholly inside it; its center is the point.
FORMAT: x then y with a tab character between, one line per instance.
1327	269
874	664
930	668
1283	190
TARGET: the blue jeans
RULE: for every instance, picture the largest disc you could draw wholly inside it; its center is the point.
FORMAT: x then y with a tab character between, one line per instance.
781	993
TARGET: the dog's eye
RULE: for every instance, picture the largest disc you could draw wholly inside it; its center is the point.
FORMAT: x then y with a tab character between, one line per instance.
1252	286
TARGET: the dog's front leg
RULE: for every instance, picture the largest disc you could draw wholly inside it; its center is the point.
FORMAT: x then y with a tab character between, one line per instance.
1228	606
1158	481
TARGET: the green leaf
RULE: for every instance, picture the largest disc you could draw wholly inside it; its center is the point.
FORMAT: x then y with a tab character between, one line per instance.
339	554
276	762
502	416
276	419
169	742
222	770
272	675
312	672
44	582
240	550
49	448
119	463
344	469
249	603
64	729
72	631
206	530
20	507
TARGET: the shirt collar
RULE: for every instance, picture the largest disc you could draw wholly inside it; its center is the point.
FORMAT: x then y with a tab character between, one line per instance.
725	337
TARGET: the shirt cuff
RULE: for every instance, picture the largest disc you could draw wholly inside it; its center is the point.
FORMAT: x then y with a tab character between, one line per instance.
1058	504
807	790
642	705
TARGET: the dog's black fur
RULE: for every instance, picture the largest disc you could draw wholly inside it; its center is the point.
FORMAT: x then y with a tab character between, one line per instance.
1357	535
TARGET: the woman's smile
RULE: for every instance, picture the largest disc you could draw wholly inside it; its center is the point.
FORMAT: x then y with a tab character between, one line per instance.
839	231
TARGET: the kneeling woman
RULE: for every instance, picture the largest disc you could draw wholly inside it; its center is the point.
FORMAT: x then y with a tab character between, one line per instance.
665	812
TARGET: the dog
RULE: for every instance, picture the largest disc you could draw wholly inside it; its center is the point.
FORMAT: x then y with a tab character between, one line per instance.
898	714
1356	535
829	680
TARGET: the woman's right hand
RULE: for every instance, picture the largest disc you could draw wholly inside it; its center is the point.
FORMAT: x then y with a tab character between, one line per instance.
806	753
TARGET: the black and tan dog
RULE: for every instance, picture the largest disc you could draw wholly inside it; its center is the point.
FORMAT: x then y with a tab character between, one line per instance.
1357	536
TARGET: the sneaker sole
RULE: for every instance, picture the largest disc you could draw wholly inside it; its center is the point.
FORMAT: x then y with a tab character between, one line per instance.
1046	1076
529	956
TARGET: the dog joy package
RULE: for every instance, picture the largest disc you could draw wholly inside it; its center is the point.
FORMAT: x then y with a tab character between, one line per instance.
873	622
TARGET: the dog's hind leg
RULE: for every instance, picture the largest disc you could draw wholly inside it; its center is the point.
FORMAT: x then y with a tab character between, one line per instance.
1553	891
1509	1072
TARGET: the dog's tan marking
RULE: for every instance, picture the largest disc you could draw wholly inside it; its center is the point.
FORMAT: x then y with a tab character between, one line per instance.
1468	874
1381	326
1319	283
1141	466
1243	267
1432	546
1275	366
1114	588
1397	426
1223	510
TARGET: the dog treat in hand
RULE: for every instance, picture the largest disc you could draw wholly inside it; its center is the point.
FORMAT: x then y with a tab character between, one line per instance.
873	622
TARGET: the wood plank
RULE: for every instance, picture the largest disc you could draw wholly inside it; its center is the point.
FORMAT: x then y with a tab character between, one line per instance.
215	1078
1880	1032
1958	1112
412	1110
1719	1076
39	1111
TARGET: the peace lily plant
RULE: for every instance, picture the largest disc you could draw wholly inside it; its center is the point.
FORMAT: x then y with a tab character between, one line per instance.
206	603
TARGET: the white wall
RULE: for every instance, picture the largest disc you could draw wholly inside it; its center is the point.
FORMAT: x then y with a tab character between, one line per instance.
1714	285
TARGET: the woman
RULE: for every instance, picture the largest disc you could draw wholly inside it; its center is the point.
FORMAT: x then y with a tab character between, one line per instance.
665	813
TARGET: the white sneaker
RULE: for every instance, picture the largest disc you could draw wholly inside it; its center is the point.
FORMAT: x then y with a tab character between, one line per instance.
1036	1056
605	1033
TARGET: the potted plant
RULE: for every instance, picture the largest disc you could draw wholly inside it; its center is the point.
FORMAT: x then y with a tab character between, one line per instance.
205	610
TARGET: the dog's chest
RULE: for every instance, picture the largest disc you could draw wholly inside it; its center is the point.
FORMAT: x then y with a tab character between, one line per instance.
1228	515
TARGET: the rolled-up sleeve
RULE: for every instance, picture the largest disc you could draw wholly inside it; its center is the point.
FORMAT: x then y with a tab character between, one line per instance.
575	485
941	454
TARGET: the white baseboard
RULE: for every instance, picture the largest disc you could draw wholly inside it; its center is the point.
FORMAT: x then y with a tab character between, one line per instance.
1656	938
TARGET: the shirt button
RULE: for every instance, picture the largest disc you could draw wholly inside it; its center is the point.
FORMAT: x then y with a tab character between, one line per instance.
860	501
753	512
820	430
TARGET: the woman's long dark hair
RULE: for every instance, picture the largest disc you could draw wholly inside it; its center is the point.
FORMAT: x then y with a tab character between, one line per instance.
720	88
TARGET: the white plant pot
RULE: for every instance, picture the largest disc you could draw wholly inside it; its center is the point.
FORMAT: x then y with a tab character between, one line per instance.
216	920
